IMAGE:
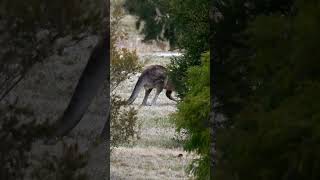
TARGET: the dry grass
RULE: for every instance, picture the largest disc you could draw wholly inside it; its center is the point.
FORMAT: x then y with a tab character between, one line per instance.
149	163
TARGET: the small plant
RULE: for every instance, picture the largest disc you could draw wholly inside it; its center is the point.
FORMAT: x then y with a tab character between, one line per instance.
123	125
69	166
18	130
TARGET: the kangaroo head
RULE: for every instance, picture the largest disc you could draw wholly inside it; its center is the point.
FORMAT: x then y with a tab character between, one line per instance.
169	86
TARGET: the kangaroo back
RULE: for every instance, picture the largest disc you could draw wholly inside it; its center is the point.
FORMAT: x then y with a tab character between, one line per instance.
154	76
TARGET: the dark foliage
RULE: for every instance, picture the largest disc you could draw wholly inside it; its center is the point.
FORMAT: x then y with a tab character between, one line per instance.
68	166
193	114
28	30
183	23
274	134
186	25
16	139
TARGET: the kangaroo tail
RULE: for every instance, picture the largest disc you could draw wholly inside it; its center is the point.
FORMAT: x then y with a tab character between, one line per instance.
136	90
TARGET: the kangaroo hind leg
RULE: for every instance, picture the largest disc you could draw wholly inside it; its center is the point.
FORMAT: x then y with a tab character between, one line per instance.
146	95
156	96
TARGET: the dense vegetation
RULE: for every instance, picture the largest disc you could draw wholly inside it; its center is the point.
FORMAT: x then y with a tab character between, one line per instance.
275	134
265	67
265	76
124	126
192	112
185	25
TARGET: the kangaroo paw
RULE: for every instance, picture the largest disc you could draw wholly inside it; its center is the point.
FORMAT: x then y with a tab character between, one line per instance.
145	104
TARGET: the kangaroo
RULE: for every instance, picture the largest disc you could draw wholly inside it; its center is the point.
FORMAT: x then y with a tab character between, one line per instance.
154	76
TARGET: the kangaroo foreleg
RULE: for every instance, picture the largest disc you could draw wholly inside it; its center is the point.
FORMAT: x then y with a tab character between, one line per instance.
168	94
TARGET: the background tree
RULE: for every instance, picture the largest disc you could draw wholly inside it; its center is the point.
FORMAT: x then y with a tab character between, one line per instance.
184	24
274	133
262	71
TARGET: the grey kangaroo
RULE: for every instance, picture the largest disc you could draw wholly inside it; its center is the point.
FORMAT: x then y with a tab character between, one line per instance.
154	76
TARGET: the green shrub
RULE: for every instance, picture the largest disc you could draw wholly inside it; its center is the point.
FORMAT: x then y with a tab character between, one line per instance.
193	114
184	23
123	125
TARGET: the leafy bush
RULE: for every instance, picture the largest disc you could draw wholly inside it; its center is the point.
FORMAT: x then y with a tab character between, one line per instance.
123	124
123	62
178	68
193	114
191	26
184	23
19	129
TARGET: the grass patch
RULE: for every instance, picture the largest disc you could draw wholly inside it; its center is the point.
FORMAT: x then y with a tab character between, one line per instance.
157	123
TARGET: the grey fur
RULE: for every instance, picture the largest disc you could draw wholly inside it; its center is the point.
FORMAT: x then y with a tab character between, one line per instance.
154	76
